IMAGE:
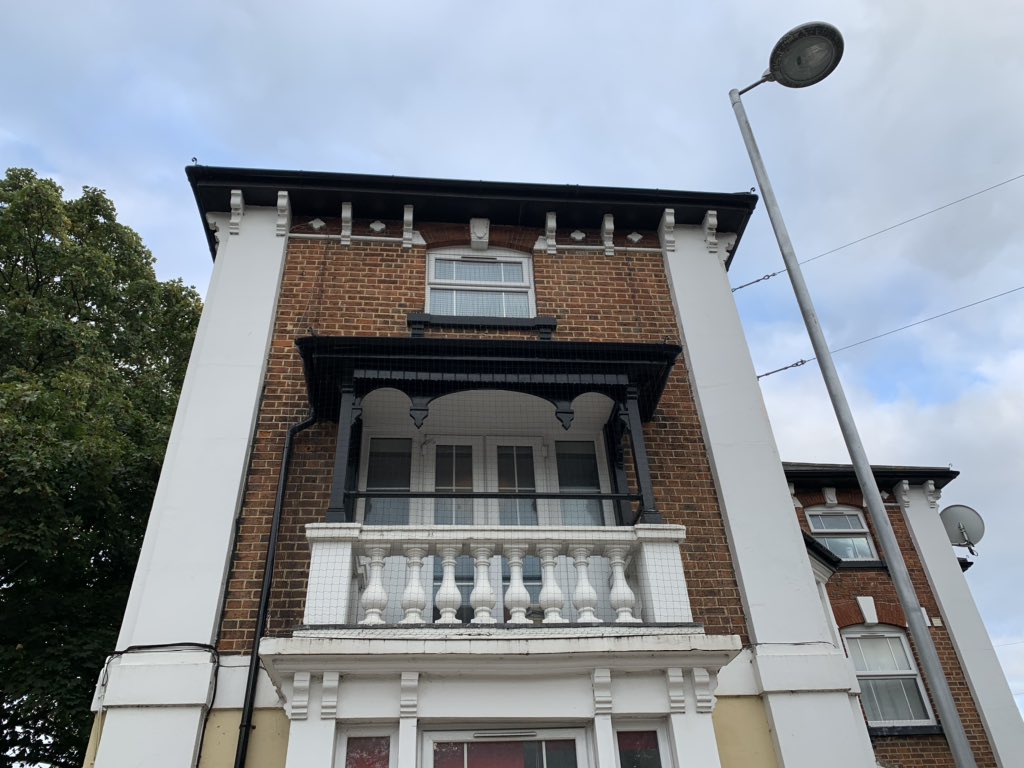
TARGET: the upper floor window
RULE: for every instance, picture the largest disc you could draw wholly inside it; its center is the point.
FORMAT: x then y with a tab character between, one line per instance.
891	689
843	531
470	283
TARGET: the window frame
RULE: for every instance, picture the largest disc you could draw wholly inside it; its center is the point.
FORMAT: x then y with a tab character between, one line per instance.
839	533
579	735
489	256
888	632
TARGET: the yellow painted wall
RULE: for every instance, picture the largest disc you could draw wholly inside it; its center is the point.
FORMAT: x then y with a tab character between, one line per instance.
94	741
267	745
741	730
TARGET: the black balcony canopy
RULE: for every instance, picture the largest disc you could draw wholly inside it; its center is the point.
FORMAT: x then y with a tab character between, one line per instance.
428	368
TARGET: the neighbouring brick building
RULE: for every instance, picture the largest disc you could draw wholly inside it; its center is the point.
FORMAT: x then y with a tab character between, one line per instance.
504	451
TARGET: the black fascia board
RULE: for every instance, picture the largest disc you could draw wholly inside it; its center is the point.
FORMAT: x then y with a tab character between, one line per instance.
316	193
886	475
436	365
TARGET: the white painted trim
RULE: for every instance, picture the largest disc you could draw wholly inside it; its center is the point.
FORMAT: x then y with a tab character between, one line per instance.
978	659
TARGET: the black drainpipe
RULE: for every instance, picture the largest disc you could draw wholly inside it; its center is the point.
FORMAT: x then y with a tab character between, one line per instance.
249	702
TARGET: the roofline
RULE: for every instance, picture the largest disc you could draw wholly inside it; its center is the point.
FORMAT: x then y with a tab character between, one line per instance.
886	475
211	186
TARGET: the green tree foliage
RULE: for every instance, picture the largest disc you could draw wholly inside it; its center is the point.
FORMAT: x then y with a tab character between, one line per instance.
93	350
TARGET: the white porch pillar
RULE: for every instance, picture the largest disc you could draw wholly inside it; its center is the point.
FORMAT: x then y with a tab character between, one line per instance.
604	735
691	734
985	677
311	736
408	712
780	600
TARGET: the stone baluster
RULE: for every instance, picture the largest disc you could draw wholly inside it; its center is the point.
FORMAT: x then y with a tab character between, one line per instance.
448	599
584	597
551	597
517	599
414	597
482	597
621	597
375	598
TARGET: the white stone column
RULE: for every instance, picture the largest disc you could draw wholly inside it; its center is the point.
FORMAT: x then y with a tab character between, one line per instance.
179	582
803	675
985	677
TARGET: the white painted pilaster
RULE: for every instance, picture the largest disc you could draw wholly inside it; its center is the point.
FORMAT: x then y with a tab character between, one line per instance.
179	582
985	676
776	584
604	734
311	738
408	710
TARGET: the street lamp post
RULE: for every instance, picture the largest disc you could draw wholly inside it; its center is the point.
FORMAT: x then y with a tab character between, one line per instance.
804	56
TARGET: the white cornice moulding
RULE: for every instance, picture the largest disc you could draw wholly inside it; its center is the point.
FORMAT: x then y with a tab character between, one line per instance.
237	211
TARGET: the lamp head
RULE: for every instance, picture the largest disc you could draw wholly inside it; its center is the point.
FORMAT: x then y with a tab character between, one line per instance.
805	55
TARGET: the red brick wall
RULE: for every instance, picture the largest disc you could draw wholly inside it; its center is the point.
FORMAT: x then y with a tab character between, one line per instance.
843	589
366	289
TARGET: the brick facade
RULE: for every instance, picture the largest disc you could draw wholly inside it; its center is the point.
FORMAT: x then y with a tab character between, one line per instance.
846	584
367	289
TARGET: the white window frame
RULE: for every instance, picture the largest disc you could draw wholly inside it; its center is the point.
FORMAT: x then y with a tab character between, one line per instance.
658	726
363	731
889	632
491	255
429	738
841	533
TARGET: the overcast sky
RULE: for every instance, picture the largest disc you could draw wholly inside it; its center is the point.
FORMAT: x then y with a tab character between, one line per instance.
924	109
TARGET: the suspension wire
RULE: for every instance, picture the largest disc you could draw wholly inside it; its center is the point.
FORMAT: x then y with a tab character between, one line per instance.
798	363
770	275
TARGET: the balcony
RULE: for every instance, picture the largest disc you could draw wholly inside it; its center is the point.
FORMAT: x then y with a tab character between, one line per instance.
373	576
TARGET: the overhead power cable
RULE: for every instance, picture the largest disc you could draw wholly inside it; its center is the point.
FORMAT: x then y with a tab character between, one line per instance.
798	363
770	275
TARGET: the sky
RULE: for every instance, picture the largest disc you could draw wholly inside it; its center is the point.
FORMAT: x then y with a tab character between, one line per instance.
921	112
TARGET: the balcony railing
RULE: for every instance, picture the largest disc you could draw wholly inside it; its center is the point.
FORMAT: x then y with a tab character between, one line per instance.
373	575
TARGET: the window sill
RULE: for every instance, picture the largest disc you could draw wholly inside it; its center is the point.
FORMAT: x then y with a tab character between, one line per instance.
905	730
418	322
863	565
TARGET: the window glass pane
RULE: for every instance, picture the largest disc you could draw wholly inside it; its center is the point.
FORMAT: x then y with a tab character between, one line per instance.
862	548
577	471
899	654
512	272
878	655
388	469
515	473
517	305
478	271
478	303
504	754
449	754
444	269
638	749
453	471
892	699
368	752
847	547
817	522
560	754
442	302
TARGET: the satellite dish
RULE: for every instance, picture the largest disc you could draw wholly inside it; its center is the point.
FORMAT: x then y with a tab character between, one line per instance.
963	525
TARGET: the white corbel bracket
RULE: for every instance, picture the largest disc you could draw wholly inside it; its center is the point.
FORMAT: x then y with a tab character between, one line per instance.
479	234
409	695
346	223
298	704
667	231
608	234
550	228
602	680
931	493
284	214
704	685
407	227
902	493
675	681
237	211
829	494
329	696
710	229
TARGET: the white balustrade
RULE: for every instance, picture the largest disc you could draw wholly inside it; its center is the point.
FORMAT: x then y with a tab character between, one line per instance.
590	566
